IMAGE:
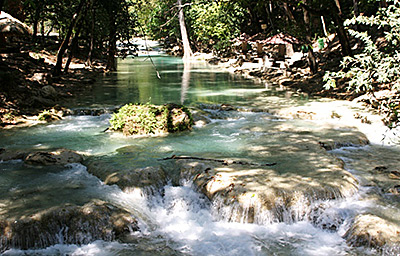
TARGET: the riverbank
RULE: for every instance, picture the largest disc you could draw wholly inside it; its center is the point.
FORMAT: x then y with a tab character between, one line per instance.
28	86
372	114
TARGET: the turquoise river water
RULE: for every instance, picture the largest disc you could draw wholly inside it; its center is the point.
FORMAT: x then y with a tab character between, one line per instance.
181	221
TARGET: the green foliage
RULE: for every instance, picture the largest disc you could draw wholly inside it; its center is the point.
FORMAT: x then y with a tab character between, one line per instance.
45	115
374	65
379	62
215	24
150	119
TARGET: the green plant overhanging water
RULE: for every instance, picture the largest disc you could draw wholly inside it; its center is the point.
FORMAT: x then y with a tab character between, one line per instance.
143	119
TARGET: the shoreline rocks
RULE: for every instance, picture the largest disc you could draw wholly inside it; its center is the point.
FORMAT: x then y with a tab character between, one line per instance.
374	232
55	157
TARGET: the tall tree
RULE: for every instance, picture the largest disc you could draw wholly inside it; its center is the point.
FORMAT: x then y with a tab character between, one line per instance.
187	51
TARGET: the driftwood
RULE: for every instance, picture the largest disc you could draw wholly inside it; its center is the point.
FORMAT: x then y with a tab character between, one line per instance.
223	161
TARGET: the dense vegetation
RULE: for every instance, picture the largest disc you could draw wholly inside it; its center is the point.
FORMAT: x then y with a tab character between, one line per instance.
367	32
138	119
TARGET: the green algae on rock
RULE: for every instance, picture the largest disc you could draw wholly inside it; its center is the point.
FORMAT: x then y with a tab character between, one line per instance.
145	119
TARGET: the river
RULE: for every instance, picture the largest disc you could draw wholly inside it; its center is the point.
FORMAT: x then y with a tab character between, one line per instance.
181	220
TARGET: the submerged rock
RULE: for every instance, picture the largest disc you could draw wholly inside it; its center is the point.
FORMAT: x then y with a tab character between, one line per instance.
372	231
67	224
57	157
150	119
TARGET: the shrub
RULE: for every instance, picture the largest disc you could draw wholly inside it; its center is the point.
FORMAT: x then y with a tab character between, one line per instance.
379	63
138	119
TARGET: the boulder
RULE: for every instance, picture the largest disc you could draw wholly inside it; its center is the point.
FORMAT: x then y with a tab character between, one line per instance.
48	91
57	157
68	225
7	155
267	194
148	179
372	231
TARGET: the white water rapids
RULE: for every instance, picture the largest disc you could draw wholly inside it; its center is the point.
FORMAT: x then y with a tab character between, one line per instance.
181	222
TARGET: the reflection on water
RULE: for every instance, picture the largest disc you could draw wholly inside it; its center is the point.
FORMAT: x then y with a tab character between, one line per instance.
188	83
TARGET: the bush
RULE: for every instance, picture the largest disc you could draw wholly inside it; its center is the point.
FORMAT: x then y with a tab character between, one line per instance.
379	63
137	119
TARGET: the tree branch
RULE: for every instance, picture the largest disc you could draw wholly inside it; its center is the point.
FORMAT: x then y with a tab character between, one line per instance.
223	161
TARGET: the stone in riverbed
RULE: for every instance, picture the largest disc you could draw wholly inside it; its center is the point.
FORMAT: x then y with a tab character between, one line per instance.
304	174
57	157
96	220
149	179
372	231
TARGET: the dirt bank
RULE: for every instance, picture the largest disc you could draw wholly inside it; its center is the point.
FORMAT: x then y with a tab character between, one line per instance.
28	86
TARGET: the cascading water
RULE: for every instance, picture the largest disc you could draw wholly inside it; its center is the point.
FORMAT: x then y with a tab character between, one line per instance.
174	216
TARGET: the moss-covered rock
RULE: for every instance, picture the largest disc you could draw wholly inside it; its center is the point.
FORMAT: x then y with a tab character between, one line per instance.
138	119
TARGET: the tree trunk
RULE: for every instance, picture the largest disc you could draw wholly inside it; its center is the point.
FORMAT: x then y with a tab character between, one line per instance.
71	50
341	32
355	7
311	59
337	2
38	10
112	45
187	51
64	44
268	8
306	16
89	59
289	13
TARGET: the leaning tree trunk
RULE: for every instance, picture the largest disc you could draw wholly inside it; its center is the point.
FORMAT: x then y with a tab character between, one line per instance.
72	48
187	51
64	44
340	30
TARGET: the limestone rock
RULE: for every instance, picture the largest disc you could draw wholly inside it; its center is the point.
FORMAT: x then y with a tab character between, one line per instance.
58	157
67	224
372	231
7	155
149	179
268	194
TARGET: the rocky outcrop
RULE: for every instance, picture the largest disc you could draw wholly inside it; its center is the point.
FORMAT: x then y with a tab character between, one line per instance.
372	231
263	194
57	157
148	179
67	225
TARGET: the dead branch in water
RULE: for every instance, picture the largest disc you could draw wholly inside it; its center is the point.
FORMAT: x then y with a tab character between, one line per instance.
223	161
